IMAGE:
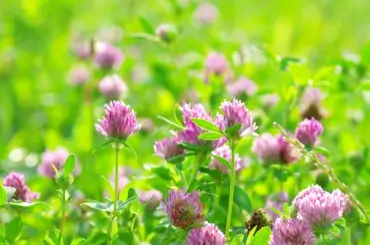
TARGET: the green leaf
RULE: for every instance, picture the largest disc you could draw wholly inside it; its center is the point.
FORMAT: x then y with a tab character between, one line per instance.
30	204
242	199
178	115
52	238
146	25
162	172
233	129
9	192
250	236
13	229
210	136
188	147
262	236
204	124
69	164
122	205
104	145
222	160
108	187
285	62
77	241
130	149
100	206
3	196
212	172
277	211
323	150
171	123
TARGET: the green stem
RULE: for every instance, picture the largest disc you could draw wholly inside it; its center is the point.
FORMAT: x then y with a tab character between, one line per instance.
113	215
231	195
323	238
347	235
183	179
198	160
63	216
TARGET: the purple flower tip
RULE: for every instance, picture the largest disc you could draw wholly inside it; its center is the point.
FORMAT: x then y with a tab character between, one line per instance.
208	234
108	56
235	112
318	207
291	231
22	192
308	131
154	197
119	121
112	87
184	209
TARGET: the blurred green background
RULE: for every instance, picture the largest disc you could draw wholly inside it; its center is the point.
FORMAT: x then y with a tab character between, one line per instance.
40	110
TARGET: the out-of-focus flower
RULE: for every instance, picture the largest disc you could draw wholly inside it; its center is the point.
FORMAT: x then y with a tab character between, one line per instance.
168	148
288	153
154	197
276	201
112	87
217	64
110	34
234	112
318	207
108	56
206	13
311	104
190	111
269	100
291	231
308	131
79	75
56	158
225	152
22	192
147	125
82	49
119	121
258	219
208	234
267	148
166	32
242	86
184	209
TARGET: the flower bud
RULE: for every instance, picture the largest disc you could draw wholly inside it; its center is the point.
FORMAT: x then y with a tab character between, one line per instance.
166	32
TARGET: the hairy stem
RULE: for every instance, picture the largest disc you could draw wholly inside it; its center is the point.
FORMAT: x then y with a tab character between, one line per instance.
198	160
63	215
113	214
231	195
312	157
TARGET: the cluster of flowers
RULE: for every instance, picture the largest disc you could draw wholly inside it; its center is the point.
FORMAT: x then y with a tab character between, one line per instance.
106	57
185	211
316	209
274	149
234	112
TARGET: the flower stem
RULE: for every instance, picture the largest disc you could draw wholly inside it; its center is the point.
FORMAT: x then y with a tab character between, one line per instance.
198	160
63	216
113	214
347	235
231	195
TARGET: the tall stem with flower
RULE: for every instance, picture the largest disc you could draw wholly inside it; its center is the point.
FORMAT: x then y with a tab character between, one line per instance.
118	123
237	123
